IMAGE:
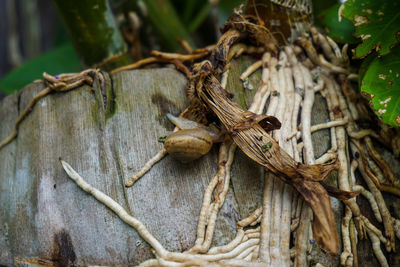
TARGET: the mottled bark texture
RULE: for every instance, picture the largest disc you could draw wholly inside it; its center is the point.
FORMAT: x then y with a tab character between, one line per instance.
45	217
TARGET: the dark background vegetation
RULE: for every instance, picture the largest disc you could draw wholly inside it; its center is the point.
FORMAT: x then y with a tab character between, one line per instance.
31	29
28	29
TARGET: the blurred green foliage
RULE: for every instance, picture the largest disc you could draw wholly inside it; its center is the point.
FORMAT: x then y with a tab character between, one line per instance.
340	31
170	19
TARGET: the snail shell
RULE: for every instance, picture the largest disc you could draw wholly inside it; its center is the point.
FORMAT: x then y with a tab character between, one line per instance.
189	144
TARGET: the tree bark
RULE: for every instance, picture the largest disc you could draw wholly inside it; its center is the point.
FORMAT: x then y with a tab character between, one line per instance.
107	135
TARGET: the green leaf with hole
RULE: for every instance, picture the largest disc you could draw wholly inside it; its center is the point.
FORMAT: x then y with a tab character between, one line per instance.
343	31
59	60
376	22
382	82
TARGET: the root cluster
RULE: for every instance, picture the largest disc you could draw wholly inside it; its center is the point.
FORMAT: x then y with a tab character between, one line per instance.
278	233
288	84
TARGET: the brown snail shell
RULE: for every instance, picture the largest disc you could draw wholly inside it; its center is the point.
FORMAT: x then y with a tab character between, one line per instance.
189	144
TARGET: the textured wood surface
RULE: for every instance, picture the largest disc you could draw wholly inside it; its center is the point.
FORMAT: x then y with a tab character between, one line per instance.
107	135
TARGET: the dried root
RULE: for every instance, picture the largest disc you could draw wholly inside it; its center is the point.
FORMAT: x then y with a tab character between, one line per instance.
346	258
209	211
159	156
250	70
372	166
376	247
58	83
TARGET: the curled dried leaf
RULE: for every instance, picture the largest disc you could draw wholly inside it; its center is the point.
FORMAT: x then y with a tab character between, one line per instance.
268	123
339	194
316	172
323	225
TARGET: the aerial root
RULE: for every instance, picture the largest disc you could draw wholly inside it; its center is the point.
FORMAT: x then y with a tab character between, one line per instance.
374	196
252	218
159	156
250	70
376	247
372	202
209	211
240	247
318	127
346	257
174	58
371	180
304	228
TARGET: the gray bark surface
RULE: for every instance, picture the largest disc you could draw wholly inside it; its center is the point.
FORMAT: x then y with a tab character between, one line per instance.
106	135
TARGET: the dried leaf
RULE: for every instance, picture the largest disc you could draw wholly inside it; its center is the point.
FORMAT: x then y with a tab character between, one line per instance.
339	194
268	123
323	225
316	172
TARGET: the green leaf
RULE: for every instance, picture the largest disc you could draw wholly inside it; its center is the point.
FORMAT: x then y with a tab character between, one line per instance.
320	6
164	18
59	60
376	22
199	18
364	66
190	8
343	31
382	82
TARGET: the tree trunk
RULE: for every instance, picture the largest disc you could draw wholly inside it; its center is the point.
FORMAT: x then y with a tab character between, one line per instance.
107	135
